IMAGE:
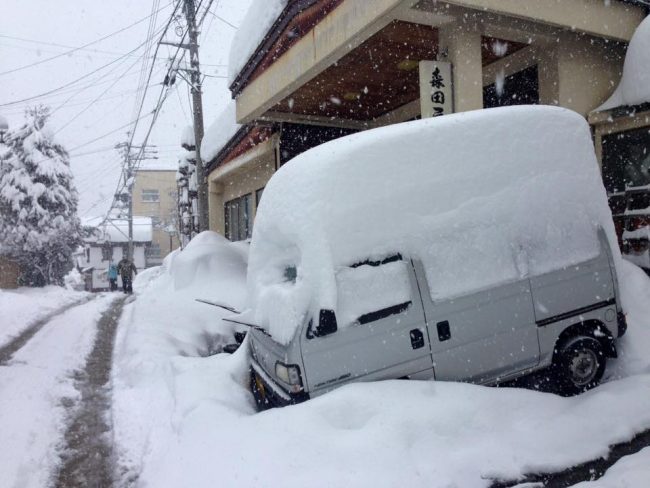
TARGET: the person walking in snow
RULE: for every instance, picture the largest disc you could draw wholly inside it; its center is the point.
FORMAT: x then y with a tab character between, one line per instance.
126	269
112	276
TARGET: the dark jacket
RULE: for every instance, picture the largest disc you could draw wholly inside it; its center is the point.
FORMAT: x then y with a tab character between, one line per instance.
126	269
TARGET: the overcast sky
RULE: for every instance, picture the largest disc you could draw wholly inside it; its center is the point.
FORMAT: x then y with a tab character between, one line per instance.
33	30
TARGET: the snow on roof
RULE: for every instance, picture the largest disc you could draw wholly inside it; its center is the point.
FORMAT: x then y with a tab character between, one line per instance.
481	198
165	164
118	231
219	133
258	20
634	87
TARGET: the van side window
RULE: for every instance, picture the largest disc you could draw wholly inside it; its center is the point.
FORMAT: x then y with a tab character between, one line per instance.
372	290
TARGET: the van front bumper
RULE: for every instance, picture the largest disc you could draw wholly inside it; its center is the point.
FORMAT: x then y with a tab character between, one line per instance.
268	394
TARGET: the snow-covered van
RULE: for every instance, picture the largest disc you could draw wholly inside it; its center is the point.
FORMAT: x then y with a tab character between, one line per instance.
472	247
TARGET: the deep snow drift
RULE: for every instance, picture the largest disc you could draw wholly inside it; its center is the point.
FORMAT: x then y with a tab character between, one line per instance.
183	419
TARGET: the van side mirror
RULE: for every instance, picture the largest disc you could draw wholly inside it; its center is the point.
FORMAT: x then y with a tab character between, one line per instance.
326	325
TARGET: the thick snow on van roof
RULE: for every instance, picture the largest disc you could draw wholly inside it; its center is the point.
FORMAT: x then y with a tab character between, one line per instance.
481	198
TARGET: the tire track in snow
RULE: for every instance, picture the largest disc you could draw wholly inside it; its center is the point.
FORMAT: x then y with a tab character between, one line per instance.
87	458
8	350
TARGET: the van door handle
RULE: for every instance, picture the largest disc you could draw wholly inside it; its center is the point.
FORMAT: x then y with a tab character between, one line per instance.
444	333
417	338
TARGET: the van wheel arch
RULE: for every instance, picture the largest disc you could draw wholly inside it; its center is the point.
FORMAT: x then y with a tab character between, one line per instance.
589	328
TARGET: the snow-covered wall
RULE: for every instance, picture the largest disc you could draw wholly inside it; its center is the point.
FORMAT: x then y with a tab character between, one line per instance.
480	197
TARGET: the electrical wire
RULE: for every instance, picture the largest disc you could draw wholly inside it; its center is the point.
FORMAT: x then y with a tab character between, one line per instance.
81	47
74	81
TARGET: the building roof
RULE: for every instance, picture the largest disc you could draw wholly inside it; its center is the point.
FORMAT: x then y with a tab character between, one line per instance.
117	231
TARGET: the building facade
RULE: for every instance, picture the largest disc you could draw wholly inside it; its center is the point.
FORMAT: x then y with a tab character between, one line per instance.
155	196
327	68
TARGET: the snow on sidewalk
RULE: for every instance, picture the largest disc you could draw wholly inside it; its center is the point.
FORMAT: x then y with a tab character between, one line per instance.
22	307
182	419
34	387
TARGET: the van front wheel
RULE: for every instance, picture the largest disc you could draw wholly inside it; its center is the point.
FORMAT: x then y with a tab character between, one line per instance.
579	365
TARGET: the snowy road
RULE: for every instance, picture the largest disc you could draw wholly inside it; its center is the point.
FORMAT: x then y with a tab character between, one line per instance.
40	391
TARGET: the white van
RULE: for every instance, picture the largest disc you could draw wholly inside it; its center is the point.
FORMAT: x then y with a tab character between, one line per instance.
472	247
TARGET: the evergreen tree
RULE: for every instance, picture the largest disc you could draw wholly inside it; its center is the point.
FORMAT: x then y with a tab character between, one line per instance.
39	227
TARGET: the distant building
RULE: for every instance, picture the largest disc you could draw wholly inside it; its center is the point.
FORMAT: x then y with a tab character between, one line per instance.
108	243
154	196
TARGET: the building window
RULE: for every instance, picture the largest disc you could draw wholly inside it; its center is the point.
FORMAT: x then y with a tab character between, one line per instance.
258	197
153	251
107	252
520	88
237	215
151	195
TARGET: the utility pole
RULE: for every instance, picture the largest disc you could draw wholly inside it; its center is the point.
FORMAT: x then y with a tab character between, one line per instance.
195	79
130	161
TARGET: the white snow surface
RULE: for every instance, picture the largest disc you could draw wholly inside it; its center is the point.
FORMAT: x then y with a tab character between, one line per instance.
34	384
258	20
634	87
22	307
458	192
182	419
219	133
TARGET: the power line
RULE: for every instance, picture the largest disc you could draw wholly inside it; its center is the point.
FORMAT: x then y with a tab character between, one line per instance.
53	44
81	47
71	82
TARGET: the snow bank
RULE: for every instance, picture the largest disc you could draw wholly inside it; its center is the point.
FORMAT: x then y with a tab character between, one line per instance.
22	307
468	194
186	420
219	133
258	20
167	329
634	87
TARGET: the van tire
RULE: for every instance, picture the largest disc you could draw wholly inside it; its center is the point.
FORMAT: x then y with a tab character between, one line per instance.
579	365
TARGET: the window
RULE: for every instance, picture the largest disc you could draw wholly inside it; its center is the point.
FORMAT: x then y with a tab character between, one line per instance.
258	197
238	219
626	160
151	195
372	290
521	88
107	252
153	250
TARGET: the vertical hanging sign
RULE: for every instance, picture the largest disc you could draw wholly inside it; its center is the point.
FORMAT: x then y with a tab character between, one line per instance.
436	95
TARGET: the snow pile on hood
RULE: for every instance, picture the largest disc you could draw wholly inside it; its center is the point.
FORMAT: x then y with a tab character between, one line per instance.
481	198
634	87
219	133
258	20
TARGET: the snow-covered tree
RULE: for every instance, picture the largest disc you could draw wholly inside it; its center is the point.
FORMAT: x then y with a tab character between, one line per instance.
39	227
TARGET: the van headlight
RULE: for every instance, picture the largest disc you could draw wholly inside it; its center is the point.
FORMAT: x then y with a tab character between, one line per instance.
290	374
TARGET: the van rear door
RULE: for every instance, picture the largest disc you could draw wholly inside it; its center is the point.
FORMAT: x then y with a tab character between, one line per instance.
381	329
